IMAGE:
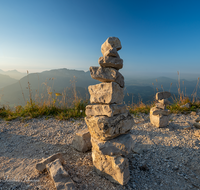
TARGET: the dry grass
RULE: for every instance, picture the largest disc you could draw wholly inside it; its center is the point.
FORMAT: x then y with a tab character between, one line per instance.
53	104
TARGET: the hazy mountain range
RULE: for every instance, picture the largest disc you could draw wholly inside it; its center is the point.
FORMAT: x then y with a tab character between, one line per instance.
13	74
41	85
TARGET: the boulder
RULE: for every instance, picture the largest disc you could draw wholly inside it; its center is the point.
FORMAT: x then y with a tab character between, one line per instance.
104	74
157	111
113	62
121	145
41	166
106	128
106	93
61	178
159	121
162	95
109	44
114	168
107	110
82	140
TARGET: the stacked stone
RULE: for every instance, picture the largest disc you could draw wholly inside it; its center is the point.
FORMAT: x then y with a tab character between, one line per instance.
107	118
197	124
159	115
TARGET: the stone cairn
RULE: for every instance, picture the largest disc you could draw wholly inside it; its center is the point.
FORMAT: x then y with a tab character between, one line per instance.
107	118
159	115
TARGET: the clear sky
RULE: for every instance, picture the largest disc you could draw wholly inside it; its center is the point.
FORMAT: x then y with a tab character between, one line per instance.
161	36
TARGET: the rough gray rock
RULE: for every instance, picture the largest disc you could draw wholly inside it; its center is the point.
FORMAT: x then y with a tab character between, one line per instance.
106	93
114	168
106	110
106	128
104	74
114	62
162	95
41	166
61	177
82	140
121	145
110	44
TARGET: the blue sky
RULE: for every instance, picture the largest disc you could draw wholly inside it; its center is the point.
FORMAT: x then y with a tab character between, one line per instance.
156	36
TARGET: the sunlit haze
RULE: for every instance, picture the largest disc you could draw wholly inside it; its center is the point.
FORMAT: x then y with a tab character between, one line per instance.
156	36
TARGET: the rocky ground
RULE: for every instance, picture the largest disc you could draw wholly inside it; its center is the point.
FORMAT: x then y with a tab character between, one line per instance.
163	158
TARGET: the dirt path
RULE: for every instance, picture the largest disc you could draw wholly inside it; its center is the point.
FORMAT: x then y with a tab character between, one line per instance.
167	158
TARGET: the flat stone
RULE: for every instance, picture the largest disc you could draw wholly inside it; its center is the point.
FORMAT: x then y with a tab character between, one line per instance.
160	105
121	145
106	110
162	95
113	62
106	93
164	101
159	121
41	166
106	128
109	44
197	125
198	119
157	111
61	178
114	168
104	74
82	140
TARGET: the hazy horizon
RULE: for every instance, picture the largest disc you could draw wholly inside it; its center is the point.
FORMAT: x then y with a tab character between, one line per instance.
139	75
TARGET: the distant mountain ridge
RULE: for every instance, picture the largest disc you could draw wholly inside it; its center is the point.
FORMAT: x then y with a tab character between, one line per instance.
13	74
55	81
60	80
5	80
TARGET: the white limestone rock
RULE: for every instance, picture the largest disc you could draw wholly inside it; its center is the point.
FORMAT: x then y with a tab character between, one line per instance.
109	44
106	128
111	52
106	93
159	120
114	168
113	62
41	166
160	105
157	111
121	145
164	101
104	74
61	178
106	110
162	95
82	140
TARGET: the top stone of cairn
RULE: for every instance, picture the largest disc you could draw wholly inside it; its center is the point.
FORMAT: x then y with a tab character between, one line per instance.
162	95
111	46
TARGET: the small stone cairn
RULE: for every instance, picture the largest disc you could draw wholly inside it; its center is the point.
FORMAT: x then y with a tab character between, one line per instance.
159	115
107	118
197	123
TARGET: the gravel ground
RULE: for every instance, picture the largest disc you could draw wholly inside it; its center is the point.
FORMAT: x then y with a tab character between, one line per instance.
163	158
